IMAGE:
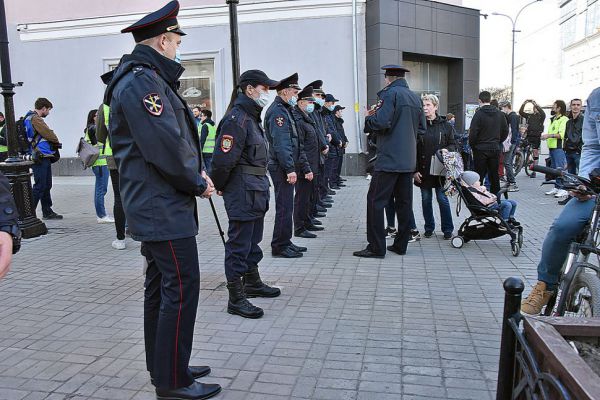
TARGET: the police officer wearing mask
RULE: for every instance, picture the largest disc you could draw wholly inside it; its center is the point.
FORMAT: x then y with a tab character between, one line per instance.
283	155
335	142
307	166
397	118
239	170
156	148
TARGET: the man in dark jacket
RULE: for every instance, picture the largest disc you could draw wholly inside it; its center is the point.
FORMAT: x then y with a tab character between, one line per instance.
573	142
396	119
307	166
283	155
339	123
155	144
335	142
488	130
534	116
515	139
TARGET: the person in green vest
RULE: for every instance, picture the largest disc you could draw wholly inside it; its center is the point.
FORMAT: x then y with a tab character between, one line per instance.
208	134
100	170
3	144
103	137
554	138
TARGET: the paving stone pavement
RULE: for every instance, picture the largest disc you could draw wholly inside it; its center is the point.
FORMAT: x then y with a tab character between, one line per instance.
422	326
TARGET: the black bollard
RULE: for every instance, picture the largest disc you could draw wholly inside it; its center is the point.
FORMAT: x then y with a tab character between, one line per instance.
513	288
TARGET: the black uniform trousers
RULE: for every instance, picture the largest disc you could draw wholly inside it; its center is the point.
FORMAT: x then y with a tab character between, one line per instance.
330	166
338	172
170	302
383	186
284	208
303	204
242	251
486	162
322	182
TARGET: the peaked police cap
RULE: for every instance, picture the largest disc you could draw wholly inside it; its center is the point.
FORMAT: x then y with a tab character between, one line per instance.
156	23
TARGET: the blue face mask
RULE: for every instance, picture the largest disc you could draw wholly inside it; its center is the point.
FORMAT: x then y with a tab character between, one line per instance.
177	57
310	108
320	101
331	108
293	101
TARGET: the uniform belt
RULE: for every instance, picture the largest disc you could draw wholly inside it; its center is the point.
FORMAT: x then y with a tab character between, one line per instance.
248	169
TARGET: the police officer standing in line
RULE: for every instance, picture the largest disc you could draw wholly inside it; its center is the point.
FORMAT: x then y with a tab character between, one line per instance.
339	123
283	155
396	119
239	171
156	148
334	142
308	164
323	201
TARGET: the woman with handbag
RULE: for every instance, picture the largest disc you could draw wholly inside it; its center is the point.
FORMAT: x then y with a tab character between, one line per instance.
100	170
429	176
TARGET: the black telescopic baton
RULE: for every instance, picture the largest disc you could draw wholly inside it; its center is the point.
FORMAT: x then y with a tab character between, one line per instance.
214	210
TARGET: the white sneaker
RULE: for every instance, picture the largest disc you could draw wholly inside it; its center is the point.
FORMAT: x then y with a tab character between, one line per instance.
552	192
561	193
106	220
368	177
119	244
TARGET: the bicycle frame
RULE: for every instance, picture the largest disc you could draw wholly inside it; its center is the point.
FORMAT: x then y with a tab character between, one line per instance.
578	256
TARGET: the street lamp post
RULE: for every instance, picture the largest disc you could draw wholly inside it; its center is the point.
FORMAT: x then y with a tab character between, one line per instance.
15	168
514	31
233	30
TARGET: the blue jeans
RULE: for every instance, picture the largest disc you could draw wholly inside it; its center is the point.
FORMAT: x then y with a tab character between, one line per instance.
507	208
101	186
42	183
573	162
444	205
207	157
565	228
559	161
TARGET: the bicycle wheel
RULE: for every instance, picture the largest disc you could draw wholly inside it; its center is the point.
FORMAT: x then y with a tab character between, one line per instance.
518	162
527	163
583	299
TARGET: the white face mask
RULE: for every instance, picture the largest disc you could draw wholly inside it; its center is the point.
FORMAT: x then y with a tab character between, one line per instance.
262	100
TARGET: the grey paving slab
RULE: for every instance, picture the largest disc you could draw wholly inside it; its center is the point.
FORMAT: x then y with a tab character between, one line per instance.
422	326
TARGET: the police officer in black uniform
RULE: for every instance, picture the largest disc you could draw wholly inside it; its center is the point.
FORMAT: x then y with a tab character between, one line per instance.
283	155
156	147
339	123
239	171
335	142
307	166
10	234
397	119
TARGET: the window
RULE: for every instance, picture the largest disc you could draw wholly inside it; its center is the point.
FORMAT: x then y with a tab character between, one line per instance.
592	18
198	83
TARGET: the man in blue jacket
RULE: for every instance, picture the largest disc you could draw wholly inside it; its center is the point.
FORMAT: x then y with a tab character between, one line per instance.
157	151
396	119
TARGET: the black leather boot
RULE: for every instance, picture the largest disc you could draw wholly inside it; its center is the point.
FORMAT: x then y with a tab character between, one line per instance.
255	287
239	304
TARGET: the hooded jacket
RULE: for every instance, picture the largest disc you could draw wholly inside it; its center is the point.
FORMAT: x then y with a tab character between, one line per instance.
488	129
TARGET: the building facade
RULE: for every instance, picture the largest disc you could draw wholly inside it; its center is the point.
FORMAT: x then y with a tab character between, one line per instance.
62	59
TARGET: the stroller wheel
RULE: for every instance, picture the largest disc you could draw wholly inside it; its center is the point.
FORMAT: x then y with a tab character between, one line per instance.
520	237
457	242
516	248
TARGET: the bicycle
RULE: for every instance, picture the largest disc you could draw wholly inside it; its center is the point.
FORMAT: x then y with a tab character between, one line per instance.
578	292
523	158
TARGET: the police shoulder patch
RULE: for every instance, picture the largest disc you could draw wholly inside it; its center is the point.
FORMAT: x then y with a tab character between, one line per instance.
153	104
280	121
226	143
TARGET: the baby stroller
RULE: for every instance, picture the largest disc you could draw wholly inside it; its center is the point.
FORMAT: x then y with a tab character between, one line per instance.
484	223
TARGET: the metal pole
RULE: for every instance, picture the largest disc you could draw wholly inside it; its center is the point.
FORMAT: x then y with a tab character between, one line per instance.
356	87
14	168
513	288
512	70
233	29
214	210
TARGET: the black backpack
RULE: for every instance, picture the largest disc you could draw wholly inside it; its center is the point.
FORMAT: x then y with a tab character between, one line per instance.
24	146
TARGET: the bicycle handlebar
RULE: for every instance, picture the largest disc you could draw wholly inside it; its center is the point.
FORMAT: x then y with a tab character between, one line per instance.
547	170
569	181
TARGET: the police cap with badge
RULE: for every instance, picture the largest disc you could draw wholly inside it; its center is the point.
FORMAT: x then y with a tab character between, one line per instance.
289	82
329	98
156	23
394	70
306	94
255	77
317	87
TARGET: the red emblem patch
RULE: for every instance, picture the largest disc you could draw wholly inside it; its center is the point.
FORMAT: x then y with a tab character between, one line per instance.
226	143
280	121
153	104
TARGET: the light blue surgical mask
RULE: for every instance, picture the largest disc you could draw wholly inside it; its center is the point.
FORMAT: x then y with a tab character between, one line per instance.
320	101
310	108
177	56
262	100
331	108
293	101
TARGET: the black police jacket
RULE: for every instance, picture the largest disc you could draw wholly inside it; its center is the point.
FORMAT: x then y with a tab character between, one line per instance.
239	162
331	129
282	136
320	124
156	147
397	121
308	140
339	124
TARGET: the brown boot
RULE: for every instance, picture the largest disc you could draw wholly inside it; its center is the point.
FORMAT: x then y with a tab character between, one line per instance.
536	300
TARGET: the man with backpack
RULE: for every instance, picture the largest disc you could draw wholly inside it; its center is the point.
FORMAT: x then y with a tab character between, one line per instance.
43	147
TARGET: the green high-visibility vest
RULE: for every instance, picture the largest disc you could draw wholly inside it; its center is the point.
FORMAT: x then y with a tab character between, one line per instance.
101	161
4	149
209	144
107	148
